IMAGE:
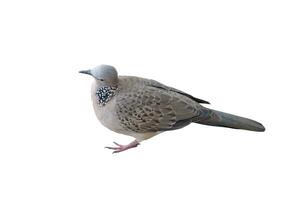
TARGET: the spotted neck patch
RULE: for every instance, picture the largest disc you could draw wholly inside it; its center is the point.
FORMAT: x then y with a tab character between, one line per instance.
104	94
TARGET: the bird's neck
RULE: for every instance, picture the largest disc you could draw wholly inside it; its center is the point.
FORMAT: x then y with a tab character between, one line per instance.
104	94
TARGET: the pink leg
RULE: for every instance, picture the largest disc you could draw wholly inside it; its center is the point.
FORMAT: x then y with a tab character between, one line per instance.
120	148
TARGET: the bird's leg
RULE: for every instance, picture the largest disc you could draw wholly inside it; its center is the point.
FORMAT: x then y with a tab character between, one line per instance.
120	148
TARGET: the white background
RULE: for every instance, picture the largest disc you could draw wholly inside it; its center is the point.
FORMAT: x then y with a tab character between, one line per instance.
242	56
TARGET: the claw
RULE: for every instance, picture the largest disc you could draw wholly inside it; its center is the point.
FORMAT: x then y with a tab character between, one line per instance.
118	144
112	148
121	148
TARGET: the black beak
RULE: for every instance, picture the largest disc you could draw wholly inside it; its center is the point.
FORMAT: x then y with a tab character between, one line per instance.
85	72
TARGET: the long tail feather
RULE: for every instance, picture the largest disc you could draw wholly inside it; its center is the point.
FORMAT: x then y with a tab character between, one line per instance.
217	118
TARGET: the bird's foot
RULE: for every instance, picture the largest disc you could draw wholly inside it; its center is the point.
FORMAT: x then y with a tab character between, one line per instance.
120	148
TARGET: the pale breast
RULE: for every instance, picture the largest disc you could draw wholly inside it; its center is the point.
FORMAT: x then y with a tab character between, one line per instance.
106	114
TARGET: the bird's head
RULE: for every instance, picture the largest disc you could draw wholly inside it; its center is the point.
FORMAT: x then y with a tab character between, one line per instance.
105	75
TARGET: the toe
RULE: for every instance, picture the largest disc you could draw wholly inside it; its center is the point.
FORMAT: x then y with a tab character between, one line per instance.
118	144
112	148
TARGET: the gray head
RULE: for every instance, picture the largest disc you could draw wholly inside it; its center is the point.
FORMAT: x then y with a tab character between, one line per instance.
104	74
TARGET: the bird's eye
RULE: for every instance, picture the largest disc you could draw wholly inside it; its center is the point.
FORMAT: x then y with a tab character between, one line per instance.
101	79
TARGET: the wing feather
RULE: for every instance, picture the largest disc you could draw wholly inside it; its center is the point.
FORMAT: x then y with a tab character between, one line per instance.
150	109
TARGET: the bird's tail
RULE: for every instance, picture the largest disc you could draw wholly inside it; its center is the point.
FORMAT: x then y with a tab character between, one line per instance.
217	118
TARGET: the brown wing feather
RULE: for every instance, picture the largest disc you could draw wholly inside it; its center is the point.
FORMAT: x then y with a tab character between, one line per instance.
157	84
148	109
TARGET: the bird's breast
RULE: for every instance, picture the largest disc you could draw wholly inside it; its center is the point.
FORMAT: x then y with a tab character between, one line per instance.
107	115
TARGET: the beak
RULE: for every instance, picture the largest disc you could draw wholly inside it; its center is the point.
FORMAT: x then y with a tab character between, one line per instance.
85	72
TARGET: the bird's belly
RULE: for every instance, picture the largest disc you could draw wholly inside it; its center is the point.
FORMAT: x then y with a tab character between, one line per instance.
107	116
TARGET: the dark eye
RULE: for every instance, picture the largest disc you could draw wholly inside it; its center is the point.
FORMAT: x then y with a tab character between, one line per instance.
101	79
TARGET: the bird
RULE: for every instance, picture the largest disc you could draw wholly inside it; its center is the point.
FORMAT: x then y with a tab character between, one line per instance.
143	108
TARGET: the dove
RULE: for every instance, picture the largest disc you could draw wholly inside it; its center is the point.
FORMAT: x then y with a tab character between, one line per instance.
142	108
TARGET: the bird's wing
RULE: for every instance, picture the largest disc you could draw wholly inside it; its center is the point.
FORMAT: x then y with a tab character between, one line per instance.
157	84
150	109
